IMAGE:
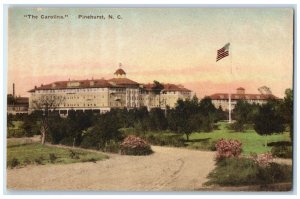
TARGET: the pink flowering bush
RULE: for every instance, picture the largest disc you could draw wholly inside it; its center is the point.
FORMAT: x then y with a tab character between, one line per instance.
228	148
133	145
263	160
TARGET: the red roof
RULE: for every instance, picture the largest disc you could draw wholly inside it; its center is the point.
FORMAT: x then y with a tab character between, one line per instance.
120	71
122	81
97	83
167	87
224	96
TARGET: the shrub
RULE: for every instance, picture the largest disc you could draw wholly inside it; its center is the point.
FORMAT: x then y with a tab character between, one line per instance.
234	171
263	160
39	160
282	151
68	141
212	146
88	142
112	147
52	157
228	148
133	145
26	161
274	173
164	140
13	163
73	155
244	171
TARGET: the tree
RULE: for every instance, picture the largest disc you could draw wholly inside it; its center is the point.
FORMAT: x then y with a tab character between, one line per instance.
268	120
243	114
46	104
105	130
286	110
10	119
157	87
209	113
157	120
184	116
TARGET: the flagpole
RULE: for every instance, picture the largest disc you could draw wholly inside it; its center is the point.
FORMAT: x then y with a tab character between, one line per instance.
229	93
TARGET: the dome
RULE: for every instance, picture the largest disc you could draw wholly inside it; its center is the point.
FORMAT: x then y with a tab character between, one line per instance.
120	71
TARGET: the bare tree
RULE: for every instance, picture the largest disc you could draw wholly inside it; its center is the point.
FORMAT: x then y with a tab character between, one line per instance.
46	104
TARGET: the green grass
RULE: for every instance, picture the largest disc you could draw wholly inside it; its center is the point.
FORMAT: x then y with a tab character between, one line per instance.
252	142
36	153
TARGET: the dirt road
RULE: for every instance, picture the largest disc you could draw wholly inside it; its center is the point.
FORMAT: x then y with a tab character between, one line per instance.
168	169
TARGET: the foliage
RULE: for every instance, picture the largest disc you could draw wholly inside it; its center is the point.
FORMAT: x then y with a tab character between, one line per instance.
268	120
10	119
191	115
244	171
73	154
282	151
52	157
263	160
133	145
168	139
112	147
157	87
228	149
243	113
14	162
286	110
105	130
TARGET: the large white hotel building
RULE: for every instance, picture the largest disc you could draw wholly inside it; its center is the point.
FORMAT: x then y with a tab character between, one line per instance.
100	95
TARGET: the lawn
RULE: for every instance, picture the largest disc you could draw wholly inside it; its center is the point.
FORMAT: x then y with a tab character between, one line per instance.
20	153
252	142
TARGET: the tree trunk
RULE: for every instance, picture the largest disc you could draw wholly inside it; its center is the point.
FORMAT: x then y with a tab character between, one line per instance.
266	141
43	135
187	137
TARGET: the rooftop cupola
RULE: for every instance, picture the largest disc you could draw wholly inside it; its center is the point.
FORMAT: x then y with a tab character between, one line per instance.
240	90
120	73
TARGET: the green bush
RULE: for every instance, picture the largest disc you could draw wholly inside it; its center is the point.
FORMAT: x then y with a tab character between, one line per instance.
73	155
13	163
282	151
67	141
166	140
88	142
112	147
26	161
39	160
274	173
17	133
244	171
52	157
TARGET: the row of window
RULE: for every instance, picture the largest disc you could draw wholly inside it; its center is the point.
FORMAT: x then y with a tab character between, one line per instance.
71	90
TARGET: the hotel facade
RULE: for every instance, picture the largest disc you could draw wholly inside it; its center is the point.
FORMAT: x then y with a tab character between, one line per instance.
100	95
222	99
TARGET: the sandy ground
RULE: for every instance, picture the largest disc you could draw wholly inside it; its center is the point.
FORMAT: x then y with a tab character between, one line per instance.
168	169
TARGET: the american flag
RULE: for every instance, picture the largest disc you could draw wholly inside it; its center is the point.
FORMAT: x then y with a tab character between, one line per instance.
223	52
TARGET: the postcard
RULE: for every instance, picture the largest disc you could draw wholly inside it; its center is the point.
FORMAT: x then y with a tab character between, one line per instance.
152	99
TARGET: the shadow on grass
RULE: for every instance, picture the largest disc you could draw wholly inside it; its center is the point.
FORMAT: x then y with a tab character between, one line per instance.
280	143
17	145
199	140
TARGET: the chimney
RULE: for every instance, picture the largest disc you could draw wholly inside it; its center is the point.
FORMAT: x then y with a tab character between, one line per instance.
13	90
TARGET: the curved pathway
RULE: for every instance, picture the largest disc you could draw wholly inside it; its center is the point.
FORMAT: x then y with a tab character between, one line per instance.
167	169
